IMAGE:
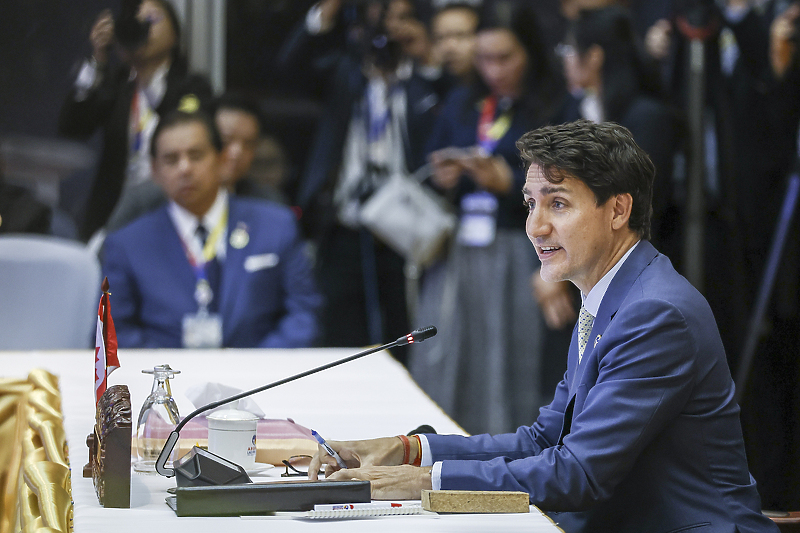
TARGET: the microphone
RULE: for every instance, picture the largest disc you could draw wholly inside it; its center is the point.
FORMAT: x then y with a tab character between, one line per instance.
418	335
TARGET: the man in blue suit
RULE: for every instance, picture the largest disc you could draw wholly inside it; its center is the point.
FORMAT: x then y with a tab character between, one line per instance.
208	269
643	434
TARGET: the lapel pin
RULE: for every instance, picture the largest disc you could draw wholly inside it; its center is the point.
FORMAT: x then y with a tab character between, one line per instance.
239	236
597	339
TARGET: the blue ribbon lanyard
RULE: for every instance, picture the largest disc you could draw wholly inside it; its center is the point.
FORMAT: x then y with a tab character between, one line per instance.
203	292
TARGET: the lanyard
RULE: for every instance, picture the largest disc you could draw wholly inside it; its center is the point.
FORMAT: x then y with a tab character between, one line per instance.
490	131
379	97
203	293
141	116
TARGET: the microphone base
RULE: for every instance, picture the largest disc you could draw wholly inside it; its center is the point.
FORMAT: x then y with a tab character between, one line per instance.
201	468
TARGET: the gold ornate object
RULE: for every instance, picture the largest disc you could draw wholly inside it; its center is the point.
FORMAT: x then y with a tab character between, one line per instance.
34	472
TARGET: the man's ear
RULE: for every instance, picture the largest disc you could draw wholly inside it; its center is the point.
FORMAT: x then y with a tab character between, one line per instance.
623	205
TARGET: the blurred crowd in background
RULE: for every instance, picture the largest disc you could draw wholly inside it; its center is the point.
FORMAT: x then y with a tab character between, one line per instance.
323	103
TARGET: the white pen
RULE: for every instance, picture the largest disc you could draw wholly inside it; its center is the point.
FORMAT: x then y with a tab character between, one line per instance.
328	449
358	506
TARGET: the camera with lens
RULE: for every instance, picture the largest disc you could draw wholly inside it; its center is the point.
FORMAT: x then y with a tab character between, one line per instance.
131	33
384	52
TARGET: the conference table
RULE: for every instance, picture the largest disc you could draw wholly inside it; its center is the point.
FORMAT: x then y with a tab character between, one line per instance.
366	398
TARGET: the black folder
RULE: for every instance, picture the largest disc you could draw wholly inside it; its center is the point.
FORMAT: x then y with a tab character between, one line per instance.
264	498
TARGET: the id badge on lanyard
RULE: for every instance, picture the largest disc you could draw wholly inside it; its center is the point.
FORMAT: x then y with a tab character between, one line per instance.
478	222
204	329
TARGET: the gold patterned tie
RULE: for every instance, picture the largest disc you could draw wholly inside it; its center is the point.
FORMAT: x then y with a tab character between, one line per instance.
585	321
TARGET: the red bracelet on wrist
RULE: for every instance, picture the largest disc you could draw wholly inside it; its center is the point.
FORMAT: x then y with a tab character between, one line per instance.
418	458
406	448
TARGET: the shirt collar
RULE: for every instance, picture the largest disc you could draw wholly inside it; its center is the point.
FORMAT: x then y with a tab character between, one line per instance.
186	224
158	85
155	90
593	300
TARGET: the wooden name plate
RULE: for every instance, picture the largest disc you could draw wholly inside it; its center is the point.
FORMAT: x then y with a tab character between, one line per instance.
110	448
475	501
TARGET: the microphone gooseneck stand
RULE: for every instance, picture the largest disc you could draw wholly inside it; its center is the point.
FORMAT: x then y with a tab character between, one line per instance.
415	336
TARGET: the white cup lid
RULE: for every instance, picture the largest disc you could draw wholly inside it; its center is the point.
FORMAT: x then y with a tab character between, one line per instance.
232	419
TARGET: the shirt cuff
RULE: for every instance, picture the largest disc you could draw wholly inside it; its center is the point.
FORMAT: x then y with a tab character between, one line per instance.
436	476
87	78
314	20
427	458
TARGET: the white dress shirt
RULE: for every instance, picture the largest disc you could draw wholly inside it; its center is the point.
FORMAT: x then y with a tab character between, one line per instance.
186	225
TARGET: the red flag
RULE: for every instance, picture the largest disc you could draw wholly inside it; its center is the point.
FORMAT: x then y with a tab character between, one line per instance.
105	351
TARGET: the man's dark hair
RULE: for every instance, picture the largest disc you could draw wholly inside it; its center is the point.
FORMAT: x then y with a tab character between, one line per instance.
234	101
178	117
604	156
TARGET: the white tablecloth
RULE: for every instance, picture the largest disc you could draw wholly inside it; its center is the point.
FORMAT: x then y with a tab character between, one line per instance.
366	398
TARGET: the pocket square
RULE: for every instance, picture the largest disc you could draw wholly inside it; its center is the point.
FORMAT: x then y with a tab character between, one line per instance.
260	262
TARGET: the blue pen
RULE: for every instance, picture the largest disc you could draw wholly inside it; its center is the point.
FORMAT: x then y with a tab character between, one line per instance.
328	449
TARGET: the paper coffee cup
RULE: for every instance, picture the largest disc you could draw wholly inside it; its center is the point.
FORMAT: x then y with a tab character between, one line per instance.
232	435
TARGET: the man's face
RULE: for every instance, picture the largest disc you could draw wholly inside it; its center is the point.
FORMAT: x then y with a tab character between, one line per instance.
240	132
573	236
186	165
454	40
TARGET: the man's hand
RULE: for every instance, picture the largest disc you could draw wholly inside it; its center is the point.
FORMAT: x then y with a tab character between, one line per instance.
555	300
404	482
415	41
329	10
386	451
101	36
447	167
490	173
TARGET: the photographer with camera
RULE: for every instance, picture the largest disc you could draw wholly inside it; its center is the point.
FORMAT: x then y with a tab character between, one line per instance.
378	112
135	75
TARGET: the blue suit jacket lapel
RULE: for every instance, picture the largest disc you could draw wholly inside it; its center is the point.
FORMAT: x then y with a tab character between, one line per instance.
642	256
232	269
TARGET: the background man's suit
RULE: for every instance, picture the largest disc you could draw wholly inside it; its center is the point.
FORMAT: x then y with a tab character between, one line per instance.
643	435
267	294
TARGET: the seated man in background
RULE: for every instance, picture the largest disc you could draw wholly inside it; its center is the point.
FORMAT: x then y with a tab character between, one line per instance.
643	433
239	122
208	269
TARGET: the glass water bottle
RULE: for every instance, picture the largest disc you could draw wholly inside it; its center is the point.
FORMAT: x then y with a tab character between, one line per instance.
157	419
